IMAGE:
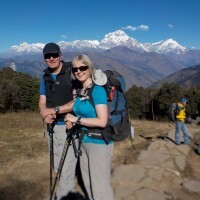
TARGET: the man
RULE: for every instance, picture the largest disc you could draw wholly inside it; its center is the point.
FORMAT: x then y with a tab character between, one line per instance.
55	101
180	122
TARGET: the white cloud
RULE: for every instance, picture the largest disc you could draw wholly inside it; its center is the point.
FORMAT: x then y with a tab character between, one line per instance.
170	26
133	28
143	27
64	36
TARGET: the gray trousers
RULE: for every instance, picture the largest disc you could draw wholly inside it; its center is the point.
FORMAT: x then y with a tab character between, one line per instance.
95	164
66	181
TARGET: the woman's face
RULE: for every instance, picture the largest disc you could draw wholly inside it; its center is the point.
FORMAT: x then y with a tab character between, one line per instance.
81	71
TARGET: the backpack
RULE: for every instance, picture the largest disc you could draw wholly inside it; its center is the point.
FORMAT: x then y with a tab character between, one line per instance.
172	112
118	127
177	109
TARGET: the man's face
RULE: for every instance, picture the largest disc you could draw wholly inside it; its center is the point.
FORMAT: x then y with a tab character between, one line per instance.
184	103
52	60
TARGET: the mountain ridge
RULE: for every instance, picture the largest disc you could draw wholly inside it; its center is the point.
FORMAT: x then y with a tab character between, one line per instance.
141	64
113	39
186	78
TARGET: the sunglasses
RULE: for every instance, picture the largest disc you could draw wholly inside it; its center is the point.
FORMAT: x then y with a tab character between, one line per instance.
81	68
49	55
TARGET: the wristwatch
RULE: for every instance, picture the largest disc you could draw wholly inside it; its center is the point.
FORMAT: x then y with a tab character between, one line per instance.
56	109
78	120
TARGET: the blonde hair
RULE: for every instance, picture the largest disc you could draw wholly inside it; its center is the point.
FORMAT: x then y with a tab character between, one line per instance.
85	60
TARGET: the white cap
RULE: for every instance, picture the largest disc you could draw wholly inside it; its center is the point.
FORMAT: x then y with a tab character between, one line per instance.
99	77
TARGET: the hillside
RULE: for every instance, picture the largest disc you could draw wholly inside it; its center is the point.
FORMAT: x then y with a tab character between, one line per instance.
139	68
186	78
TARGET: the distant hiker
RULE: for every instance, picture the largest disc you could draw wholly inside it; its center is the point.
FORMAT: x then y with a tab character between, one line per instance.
95	161
180	122
55	101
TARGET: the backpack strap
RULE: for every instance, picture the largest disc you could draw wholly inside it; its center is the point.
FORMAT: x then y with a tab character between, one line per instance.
90	90
87	94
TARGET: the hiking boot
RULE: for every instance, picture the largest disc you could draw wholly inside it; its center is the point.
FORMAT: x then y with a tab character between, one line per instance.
55	196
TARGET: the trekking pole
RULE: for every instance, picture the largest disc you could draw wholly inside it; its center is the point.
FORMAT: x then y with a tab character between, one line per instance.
132	136
132	131
62	159
50	130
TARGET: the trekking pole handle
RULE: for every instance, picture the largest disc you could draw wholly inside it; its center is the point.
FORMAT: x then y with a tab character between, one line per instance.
50	128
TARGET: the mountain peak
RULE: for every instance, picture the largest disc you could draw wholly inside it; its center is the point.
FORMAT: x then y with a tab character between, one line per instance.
171	45
120	38
115	39
166	46
170	41
117	33
26	48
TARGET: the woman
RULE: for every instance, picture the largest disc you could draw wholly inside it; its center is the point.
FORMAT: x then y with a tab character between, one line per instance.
95	161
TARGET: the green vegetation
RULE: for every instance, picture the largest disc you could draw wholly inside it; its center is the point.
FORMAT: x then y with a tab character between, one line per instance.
18	91
151	103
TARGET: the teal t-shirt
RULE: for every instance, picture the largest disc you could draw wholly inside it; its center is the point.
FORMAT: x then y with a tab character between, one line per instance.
83	108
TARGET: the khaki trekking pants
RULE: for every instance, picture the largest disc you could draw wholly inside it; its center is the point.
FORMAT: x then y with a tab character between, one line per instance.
95	164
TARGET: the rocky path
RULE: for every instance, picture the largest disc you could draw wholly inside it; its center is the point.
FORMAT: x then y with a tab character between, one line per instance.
161	172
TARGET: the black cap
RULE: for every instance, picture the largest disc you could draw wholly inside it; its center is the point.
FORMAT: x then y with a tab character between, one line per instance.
51	48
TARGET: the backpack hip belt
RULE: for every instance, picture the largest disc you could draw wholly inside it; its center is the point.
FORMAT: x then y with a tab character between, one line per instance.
91	132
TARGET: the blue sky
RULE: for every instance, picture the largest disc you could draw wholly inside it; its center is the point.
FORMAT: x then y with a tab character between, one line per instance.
42	21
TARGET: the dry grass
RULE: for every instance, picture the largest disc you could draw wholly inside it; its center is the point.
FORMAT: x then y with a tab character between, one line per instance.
19	135
151	128
24	167
22	150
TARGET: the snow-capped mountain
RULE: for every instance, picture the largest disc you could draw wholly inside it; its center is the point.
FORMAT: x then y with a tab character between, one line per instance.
113	39
13	66
120	38
166	46
27	48
79	45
